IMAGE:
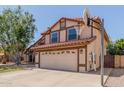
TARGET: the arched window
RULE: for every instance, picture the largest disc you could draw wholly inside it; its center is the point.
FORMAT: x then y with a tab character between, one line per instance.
72	34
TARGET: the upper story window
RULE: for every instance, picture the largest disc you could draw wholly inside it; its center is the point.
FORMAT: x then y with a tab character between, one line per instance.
62	24
72	34
54	37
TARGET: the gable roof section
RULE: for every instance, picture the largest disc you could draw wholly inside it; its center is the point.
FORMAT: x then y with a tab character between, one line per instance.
80	20
33	45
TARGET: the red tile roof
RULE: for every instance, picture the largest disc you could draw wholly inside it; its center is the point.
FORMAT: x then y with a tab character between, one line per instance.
81	42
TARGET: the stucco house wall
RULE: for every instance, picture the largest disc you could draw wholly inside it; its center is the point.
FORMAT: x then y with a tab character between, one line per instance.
56	27
85	31
47	39
37	57
63	36
71	23
82	59
94	46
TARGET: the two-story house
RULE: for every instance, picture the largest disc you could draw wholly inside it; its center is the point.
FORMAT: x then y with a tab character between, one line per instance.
69	45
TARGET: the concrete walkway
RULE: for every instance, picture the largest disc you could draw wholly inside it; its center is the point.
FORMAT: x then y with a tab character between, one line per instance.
43	77
116	78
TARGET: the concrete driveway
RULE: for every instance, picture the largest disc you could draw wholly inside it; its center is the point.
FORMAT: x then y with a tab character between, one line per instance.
116	78
43	77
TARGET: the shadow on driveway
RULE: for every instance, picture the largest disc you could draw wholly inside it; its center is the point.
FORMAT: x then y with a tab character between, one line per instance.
117	72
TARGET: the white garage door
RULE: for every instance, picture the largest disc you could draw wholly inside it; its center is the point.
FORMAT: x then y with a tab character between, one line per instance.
62	60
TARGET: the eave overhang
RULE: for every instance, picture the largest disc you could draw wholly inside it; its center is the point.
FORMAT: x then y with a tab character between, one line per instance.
65	45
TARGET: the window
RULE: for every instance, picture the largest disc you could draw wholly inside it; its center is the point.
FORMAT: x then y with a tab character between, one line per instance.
62	24
72	34
54	37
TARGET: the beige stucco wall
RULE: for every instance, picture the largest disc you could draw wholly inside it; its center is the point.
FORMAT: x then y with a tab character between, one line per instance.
36	57
70	23
82	56
82	69
63	36
47	38
85	32
56	27
81	59
91	48
95	47
97	33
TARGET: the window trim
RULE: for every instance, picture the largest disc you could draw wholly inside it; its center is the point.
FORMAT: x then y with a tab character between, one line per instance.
68	34
57	36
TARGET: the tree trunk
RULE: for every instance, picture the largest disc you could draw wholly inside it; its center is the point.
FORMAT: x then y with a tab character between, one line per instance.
16	59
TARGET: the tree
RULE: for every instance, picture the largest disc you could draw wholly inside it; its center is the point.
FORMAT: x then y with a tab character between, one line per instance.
116	48
111	49
16	31
119	47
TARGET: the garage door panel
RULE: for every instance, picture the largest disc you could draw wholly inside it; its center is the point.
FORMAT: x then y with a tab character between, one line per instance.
47	62
59	60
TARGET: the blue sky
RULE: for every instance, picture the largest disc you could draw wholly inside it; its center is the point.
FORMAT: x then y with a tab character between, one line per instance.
47	15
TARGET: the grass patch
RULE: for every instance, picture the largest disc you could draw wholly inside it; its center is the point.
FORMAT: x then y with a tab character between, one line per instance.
9	69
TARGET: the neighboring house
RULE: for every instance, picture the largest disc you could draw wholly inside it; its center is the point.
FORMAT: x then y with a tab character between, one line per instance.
28	56
70	44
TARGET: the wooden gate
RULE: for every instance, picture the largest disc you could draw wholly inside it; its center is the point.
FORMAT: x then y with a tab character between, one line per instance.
109	61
